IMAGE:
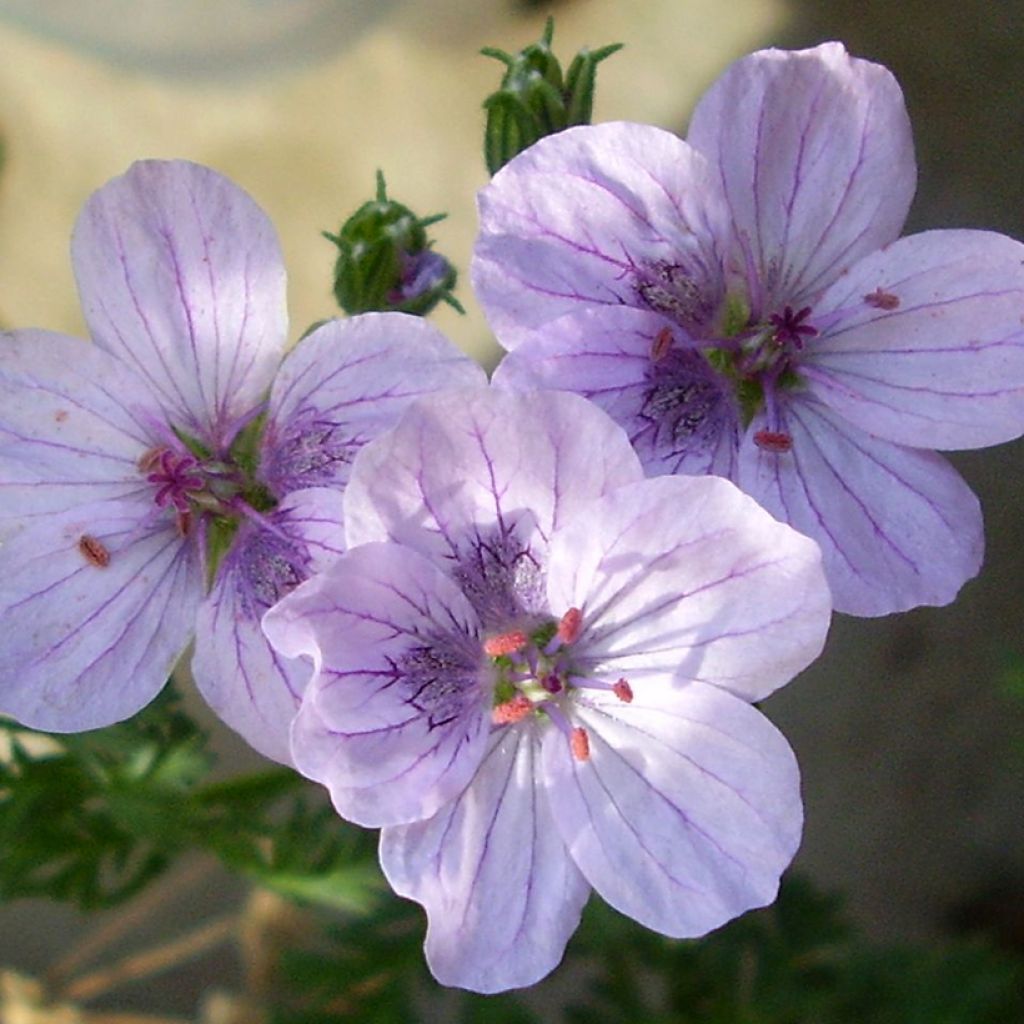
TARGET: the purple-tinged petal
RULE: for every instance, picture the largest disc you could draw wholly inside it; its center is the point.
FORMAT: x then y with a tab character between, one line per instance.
346	383
925	343
73	424
181	277
686	812
646	374
815	156
460	469
394	721
897	527
251	686
501	894
95	608
603	215
687	578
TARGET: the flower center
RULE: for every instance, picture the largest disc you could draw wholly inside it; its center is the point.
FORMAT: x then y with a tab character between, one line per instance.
537	673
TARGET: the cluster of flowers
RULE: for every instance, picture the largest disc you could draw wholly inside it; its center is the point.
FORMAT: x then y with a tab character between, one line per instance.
521	629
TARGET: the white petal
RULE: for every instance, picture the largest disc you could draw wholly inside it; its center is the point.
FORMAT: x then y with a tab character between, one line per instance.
95	609
181	277
345	384
463	463
394	720
925	341
815	157
73	424
897	527
689	578
501	894
687	811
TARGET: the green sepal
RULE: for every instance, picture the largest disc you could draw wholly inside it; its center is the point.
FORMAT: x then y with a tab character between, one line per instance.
535	99
379	249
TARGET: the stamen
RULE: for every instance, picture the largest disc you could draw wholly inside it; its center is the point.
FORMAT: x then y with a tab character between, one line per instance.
512	711
183	521
623	691
571	626
882	299
150	459
774	441
93	551
662	343
505	643
579	744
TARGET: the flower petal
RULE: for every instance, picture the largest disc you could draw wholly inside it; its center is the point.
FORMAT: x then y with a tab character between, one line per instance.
251	686
925	344
501	894
686	812
181	277
897	527
593	216
73	424
680	417
95	609
348	382
394	720
816	160
460	463
686	577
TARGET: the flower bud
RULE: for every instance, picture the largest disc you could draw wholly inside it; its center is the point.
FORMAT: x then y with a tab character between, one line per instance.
386	263
535	99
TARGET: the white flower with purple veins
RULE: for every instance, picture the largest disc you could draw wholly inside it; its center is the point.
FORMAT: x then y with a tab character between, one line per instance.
133	469
742	305
536	670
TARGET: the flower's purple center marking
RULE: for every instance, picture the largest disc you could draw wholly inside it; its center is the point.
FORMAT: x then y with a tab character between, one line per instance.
683	400
314	453
537	672
501	577
440	677
269	566
93	551
882	299
676	291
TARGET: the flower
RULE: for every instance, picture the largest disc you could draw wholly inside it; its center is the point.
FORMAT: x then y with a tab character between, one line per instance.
534	669
133	469
741	304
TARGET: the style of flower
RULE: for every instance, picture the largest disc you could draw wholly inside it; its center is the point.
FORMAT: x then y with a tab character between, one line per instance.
135	469
534	668
741	305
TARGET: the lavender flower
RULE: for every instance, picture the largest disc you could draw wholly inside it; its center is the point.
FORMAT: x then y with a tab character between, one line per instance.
740	303
534	668
132	468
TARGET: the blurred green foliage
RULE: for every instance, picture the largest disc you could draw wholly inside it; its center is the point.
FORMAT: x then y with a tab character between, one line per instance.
96	817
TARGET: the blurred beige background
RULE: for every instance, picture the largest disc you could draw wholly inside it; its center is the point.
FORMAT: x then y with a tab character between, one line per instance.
913	772
402	92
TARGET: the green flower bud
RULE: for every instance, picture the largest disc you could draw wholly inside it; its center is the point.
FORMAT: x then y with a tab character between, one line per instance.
535	99
386	263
